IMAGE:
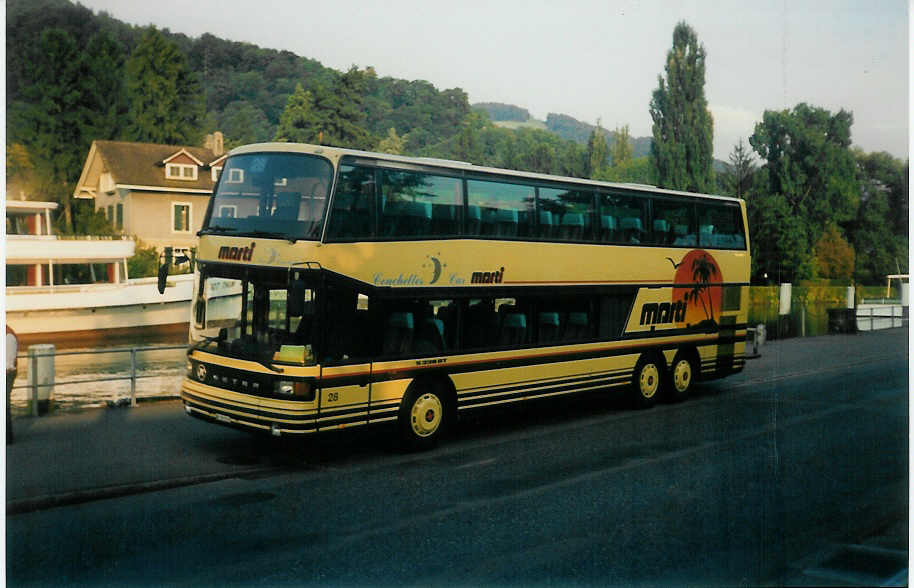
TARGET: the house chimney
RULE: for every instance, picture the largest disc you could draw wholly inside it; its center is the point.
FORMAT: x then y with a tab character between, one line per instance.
218	144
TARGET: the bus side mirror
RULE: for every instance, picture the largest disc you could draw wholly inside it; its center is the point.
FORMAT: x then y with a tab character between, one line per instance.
295	298
163	276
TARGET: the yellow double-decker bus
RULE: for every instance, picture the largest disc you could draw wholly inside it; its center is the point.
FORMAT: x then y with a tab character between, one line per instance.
338	288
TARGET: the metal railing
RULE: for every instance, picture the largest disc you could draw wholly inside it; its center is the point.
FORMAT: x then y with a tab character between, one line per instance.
895	314
34	385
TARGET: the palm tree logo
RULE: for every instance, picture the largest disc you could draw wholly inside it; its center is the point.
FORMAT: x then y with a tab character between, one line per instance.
703	269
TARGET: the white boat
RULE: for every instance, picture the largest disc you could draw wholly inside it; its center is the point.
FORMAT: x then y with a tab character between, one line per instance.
42	309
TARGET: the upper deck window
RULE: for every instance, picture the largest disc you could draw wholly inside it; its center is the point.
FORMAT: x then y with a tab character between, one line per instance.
282	195
498	209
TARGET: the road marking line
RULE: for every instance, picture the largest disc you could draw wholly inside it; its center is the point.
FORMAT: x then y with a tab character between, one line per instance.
474	464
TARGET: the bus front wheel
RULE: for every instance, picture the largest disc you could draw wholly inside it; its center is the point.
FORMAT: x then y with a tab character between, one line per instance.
423	417
646	380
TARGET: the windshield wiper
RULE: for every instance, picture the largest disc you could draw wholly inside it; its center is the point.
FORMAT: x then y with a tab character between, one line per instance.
269	235
201	344
214	228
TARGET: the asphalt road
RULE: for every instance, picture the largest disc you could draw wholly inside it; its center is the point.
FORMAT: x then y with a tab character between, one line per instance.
735	486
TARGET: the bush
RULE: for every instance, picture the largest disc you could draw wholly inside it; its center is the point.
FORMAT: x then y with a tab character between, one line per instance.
144	263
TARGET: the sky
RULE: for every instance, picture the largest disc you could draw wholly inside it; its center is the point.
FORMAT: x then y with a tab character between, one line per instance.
594	60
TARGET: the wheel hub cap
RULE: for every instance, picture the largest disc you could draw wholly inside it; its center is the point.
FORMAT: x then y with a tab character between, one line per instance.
425	415
649	380
682	375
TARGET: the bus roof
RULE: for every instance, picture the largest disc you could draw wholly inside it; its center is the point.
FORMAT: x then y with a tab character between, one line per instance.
337	152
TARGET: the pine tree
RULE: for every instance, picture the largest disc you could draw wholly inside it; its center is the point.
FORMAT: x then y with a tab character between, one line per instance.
350	115
682	150
49	120
738	178
165	104
102	72
597	151
297	123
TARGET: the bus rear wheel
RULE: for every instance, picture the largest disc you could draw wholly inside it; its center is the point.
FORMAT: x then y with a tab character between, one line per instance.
423	417
681	377
646	380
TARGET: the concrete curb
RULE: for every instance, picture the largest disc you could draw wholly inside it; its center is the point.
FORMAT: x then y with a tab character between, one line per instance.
27	505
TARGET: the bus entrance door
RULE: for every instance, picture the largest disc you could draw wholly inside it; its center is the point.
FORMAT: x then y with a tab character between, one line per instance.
344	395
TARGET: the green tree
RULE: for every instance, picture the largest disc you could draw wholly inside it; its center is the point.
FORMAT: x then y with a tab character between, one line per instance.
393	143
242	122
49	119
809	180
164	98
597	151
808	158
739	175
349	117
102	101
620	152
144	263
682	151
882	246
469	143
834	255
297	123
634	171
779	238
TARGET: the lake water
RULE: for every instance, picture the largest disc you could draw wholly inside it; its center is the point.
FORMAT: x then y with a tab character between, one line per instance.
159	373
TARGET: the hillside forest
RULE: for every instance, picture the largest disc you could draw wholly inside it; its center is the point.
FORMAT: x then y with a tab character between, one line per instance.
819	207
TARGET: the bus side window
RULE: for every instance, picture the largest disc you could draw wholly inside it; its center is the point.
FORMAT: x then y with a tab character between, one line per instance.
623	218
565	215
353	212
420	205
674	223
480	324
721	226
504	210
614	309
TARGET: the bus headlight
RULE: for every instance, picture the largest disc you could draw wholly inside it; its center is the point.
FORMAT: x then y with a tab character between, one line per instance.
293	388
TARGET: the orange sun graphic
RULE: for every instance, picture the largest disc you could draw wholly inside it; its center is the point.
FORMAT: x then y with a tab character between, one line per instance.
698	279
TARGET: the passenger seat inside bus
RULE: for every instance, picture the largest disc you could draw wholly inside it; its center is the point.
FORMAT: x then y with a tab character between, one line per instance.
607	228
430	337
632	229
398	334
513	328
548	327
547	229
576	328
572	226
480	325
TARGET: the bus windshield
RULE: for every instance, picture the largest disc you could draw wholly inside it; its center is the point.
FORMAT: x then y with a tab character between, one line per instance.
251	318
280	195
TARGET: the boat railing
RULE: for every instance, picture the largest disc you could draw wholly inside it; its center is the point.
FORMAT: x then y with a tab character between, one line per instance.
36	382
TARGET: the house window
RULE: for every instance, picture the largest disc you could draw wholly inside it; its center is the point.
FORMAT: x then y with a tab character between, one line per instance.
180	217
228	211
180	171
215	173
120	217
110	215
